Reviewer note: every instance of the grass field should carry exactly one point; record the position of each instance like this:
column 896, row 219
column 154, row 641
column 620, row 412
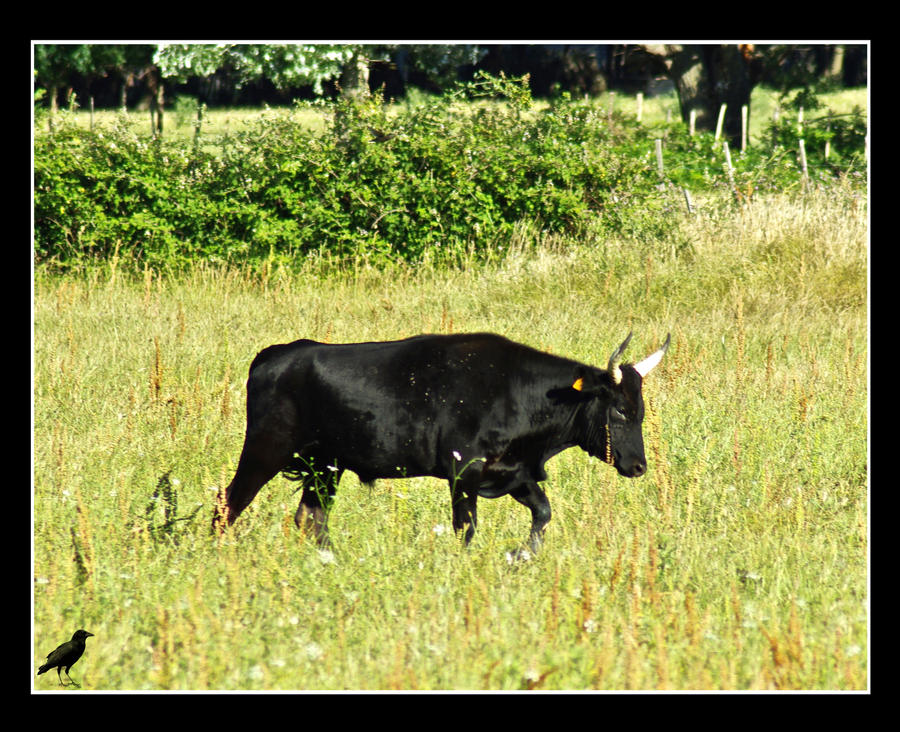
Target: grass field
column 180, row 121
column 738, row 562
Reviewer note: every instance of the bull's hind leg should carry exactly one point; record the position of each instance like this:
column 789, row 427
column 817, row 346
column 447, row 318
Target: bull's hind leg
column 260, row 461
column 268, row 449
column 319, row 487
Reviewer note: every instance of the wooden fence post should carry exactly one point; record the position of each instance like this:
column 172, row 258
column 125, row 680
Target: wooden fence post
column 687, row 200
column 659, row 159
column 803, row 162
column 728, row 168
column 197, row 125
column 745, row 113
column 720, row 121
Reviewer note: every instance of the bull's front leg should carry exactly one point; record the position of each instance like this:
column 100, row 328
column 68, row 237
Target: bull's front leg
column 465, row 515
column 531, row 495
column 315, row 502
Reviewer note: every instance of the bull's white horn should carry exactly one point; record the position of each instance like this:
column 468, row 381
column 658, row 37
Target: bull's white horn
column 649, row 363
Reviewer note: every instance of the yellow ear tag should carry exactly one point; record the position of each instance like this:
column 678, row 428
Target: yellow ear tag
column 579, row 384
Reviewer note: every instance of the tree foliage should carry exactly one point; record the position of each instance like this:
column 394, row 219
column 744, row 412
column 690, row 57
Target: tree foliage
column 705, row 74
column 53, row 64
column 283, row 64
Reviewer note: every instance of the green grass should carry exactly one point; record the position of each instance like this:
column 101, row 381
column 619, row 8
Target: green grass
column 179, row 124
column 179, row 121
column 738, row 562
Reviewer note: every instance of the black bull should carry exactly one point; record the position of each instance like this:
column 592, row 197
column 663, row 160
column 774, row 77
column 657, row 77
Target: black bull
column 478, row 410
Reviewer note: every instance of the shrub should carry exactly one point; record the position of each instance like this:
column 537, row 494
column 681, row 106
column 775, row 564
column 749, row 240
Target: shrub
column 845, row 135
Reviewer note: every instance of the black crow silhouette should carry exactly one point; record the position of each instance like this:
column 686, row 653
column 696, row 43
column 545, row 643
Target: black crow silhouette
column 64, row 657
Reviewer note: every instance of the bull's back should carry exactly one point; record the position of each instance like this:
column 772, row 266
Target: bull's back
column 424, row 368
column 442, row 355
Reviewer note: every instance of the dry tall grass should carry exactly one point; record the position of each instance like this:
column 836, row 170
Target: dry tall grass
column 738, row 562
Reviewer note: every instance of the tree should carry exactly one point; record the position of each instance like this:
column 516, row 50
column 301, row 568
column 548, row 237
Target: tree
column 291, row 65
column 708, row 76
column 128, row 62
column 54, row 65
column 57, row 66
column 284, row 65
column 438, row 63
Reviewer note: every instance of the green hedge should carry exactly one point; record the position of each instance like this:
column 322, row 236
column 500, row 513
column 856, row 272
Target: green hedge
column 451, row 175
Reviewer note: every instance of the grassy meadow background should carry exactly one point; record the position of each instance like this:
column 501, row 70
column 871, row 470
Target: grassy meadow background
column 738, row 562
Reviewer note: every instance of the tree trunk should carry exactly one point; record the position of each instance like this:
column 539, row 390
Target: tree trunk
column 685, row 67
column 52, row 92
column 855, row 72
column 127, row 81
column 160, row 102
column 157, row 99
column 837, row 64
column 708, row 76
column 355, row 76
column 733, row 73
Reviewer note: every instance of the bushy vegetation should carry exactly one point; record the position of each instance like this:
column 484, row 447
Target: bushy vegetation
column 440, row 179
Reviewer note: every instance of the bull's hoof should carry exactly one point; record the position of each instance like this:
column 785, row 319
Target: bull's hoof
column 519, row 556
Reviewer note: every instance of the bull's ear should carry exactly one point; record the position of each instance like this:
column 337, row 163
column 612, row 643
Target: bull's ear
column 576, row 389
column 588, row 382
column 582, row 380
column 567, row 395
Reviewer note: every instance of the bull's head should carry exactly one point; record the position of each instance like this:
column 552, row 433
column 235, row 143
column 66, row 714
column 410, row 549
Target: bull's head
column 610, row 424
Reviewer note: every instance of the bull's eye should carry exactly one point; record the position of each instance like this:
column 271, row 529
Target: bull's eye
column 617, row 413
